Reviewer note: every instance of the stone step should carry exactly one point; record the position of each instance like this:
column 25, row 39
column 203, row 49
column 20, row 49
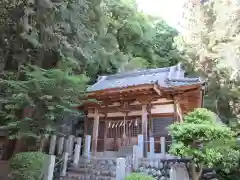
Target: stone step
column 81, row 165
column 79, row 170
column 77, row 176
column 95, row 166
column 83, row 159
column 97, row 172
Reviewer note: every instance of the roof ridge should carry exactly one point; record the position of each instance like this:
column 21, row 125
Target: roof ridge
column 184, row 79
column 139, row 72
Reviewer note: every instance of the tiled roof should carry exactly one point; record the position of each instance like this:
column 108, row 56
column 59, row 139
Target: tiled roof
column 165, row 77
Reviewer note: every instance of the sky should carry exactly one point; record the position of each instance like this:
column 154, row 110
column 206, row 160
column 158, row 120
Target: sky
column 170, row 10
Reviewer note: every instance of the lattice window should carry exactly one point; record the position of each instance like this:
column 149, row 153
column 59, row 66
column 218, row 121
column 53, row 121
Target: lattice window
column 160, row 125
column 135, row 128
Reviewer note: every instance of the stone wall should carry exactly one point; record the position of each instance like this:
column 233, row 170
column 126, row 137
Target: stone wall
column 159, row 168
column 93, row 169
column 103, row 167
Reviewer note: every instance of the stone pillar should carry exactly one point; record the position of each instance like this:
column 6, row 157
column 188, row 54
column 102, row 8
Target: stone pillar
column 79, row 141
column 87, row 145
column 152, row 147
column 135, row 157
column 70, row 144
column 76, row 154
column 52, row 144
column 49, row 167
column 65, row 162
column 120, row 169
column 60, row 145
column 163, row 145
column 140, row 145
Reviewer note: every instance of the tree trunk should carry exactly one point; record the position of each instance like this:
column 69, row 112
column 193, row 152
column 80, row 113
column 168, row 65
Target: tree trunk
column 196, row 172
column 18, row 145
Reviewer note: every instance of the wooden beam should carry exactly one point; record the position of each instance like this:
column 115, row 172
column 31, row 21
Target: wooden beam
column 170, row 114
column 163, row 114
column 95, row 132
column 126, row 96
column 109, row 109
column 144, row 129
column 181, row 89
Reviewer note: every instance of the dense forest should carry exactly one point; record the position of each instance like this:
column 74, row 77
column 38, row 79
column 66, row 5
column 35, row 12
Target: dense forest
column 51, row 50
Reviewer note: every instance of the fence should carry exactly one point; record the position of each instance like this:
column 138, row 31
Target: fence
column 61, row 151
column 127, row 159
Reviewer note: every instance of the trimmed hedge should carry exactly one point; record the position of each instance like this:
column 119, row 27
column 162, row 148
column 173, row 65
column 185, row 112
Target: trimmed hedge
column 139, row 176
column 27, row 166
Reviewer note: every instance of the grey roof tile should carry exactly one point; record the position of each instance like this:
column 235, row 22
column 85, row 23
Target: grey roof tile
column 149, row 76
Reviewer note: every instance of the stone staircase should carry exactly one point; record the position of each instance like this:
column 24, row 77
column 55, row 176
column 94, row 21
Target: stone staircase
column 99, row 168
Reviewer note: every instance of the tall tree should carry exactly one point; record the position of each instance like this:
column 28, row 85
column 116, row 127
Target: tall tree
column 69, row 39
column 141, row 36
column 210, row 43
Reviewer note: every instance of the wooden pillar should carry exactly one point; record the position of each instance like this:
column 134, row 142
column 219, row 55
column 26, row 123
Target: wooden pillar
column 95, row 132
column 127, row 131
column 144, row 129
column 175, row 109
column 105, row 133
column 85, row 123
column 178, row 109
column 200, row 99
column 125, row 111
column 150, row 128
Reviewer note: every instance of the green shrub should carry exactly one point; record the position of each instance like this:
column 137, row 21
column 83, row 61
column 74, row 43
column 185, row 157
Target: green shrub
column 27, row 166
column 139, row 176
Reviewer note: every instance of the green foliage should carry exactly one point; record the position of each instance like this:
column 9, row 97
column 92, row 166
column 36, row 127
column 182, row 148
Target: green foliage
column 64, row 42
column 27, row 166
column 211, row 48
column 48, row 94
column 138, row 176
column 141, row 36
column 98, row 37
column 191, row 139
